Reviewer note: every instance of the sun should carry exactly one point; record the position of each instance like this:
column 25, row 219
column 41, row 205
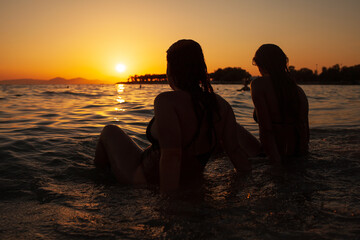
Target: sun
column 120, row 67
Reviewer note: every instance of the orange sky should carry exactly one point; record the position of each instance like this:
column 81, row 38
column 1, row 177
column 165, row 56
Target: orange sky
column 86, row 38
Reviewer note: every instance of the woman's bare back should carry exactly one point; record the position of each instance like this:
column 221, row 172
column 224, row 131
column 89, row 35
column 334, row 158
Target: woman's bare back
column 291, row 135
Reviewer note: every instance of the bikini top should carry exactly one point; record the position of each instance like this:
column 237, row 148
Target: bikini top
column 151, row 139
column 202, row 158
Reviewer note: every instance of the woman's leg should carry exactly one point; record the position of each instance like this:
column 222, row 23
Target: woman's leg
column 101, row 158
column 248, row 142
column 117, row 149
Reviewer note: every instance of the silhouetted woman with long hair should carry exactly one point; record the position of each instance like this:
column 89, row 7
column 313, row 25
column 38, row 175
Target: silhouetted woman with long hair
column 281, row 106
column 190, row 123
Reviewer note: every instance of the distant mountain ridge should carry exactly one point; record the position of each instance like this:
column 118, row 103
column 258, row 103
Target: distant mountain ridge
column 57, row 80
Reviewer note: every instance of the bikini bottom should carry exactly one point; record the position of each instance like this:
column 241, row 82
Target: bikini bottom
column 150, row 160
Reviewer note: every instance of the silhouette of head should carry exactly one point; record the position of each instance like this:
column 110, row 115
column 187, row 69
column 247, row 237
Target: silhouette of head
column 186, row 67
column 271, row 58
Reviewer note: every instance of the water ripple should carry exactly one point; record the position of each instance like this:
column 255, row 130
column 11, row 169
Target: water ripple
column 48, row 181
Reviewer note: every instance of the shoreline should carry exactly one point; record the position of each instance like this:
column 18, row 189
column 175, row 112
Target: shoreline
column 237, row 83
column 165, row 82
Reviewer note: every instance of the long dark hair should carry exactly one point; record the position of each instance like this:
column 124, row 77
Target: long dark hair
column 273, row 60
column 187, row 68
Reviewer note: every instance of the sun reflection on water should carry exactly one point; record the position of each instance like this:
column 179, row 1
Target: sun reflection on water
column 120, row 100
column 120, row 109
column 120, row 89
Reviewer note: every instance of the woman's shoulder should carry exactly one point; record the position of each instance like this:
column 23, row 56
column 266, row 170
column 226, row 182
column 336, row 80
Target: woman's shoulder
column 170, row 97
column 301, row 91
column 303, row 97
column 223, row 105
column 256, row 87
column 220, row 99
column 260, row 82
column 170, row 94
column 181, row 96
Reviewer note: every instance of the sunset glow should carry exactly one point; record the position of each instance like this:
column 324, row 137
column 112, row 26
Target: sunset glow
column 46, row 39
column 120, row 67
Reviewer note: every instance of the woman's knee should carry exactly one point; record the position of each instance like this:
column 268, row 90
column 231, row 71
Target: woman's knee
column 110, row 130
column 110, row 127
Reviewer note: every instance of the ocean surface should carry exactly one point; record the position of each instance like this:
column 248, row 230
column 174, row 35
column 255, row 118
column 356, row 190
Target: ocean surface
column 50, row 189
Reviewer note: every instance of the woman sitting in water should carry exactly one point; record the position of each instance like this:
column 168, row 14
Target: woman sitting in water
column 190, row 122
column 281, row 107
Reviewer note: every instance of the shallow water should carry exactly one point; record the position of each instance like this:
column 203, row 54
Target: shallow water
column 50, row 189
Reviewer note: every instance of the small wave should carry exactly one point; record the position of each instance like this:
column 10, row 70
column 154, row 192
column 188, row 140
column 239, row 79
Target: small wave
column 50, row 115
column 45, row 123
column 67, row 93
column 95, row 106
column 14, row 189
column 318, row 98
column 342, row 132
column 138, row 111
column 47, row 190
column 9, row 121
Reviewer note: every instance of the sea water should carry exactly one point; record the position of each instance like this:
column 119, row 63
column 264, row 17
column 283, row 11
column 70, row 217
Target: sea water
column 50, row 189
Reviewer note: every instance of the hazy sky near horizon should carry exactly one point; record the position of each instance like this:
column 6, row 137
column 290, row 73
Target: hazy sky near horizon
column 43, row 39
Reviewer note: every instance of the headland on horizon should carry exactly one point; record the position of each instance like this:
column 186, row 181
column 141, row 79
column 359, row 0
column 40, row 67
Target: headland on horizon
column 334, row 75
column 57, row 80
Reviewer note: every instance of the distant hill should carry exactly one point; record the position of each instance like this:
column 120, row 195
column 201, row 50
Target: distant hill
column 57, row 80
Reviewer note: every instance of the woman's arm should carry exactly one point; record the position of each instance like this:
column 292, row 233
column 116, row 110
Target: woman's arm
column 248, row 142
column 169, row 135
column 267, row 137
column 304, row 121
column 230, row 141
